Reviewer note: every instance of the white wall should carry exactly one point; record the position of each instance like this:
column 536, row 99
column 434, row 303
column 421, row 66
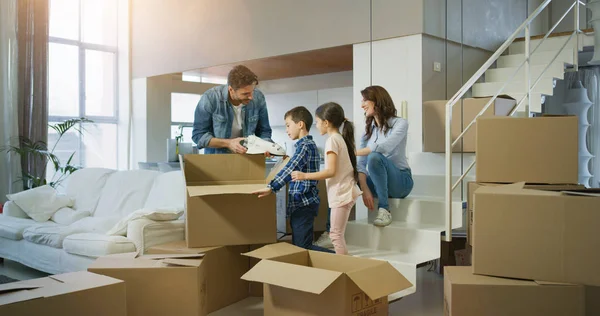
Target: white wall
column 177, row 35
column 396, row 66
column 151, row 115
column 559, row 7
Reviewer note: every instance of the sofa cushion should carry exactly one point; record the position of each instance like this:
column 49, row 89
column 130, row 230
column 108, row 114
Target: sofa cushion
column 12, row 209
column 67, row 216
column 125, row 192
column 85, row 185
column 13, row 227
column 168, row 191
column 97, row 245
column 54, row 236
column 41, row 202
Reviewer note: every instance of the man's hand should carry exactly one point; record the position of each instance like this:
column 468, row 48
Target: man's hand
column 368, row 199
column 235, row 146
column 263, row 192
column 297, row 175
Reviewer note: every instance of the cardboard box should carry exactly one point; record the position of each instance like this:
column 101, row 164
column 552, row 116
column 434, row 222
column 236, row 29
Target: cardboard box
column 466, row 294
column 472, row 186
column 542, row 150
column 536, row 235
column 302, row 282
column 184, row 282
column 434, row 122
column 220, row 209
column 70, row 294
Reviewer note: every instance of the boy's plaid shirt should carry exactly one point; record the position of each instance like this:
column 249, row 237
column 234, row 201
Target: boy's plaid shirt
column 305, row 159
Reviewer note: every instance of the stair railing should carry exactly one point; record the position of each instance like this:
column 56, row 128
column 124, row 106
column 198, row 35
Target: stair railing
column 450, row 184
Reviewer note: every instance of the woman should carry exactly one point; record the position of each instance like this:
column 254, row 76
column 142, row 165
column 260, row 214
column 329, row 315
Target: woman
column 382, row 165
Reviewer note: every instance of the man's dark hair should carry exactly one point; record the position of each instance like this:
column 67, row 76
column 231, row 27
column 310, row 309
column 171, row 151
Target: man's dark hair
column 298, row 114
column 240, row 76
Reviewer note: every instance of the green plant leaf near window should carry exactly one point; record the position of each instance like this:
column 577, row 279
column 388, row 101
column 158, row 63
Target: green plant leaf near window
column 39, row 153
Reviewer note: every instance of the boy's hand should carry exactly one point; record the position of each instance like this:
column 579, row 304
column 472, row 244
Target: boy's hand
column 268, row 154
column 263, row 192
column 297, row 175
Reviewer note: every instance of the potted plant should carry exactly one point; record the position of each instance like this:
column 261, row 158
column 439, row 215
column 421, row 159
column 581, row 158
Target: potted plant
column 38, row 151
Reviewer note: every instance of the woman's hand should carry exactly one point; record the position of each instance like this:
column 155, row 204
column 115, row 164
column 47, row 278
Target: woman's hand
column 262, row 192
column 297, row 175
column 368, row 199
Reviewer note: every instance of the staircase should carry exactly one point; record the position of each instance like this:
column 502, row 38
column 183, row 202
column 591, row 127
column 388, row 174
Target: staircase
column 524, row 70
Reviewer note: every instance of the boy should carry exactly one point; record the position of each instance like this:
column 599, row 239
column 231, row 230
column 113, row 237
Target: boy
column 303, row 196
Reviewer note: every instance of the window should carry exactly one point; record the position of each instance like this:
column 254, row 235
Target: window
column 183, row 107
column 82, row 76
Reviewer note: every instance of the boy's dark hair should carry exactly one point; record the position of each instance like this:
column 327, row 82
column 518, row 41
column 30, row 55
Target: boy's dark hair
column 334, row 113
column 240, row 76
column 300, row 114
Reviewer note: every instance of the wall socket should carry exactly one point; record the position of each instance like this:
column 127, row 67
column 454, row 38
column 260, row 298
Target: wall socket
column 437, row 66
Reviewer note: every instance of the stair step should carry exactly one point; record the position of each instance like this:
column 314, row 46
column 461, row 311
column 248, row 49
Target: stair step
column 556, row 71
column 434, row 186
column 398, row 236
column 422, row 210
column 550, row 44
column 539, row 58
column 487, row 89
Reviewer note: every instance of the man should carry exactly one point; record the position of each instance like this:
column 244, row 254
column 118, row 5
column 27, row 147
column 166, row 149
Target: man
column 229, row 113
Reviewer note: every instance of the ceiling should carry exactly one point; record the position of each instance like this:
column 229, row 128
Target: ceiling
column 320, row 61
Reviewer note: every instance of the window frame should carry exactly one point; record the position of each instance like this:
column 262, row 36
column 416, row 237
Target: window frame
column 82, row 48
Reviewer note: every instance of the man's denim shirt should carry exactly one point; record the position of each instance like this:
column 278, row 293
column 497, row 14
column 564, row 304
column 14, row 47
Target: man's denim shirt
column 214, row 117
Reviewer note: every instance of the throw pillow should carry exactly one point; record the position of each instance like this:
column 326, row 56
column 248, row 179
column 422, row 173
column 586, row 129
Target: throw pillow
column 40, row 203
column 67, row 216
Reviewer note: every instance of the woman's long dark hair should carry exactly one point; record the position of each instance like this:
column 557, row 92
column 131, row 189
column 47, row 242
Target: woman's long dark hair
column 384, row 109
column 334, row 113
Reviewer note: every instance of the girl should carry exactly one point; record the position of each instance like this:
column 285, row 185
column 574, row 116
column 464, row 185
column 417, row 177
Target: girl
column 340, row 172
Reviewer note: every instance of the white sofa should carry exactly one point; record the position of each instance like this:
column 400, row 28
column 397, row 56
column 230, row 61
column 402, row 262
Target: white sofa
column 109, row 196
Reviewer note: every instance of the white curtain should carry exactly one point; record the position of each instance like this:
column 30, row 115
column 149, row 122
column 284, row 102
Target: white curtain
column 10, row 166
column 590, row 78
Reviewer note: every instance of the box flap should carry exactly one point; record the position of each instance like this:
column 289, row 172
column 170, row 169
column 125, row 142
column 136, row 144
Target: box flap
column 16, row 286
column 514, row 188
column 278, row 166
column 274, row 251
column 554, row 283
column 174, row 256
column 206, row 168
column 379, row 280
column 204, row 190
column 183, row 262
column 179, row 246
column 291, row 276
column 84, row 278
column 585, row 192
column 126, row 255
column 122, row 263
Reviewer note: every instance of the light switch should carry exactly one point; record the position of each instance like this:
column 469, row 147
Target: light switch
column 437, row 66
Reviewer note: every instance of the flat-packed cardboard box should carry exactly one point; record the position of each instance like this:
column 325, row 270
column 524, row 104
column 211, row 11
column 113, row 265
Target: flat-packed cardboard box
column 184, row 282
column 542, row 150
column 220, row 209
column 434, row 121
column 536, row 235
column 466, row 294
column 472, row 186
column 69, row 294
column 302, row 282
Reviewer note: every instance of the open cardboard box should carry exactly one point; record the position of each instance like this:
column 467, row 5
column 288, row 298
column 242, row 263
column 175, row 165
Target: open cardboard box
column 466, row 294
column 537, row 235
column 220, row 209
column 184, row 282
column 70, row 294
column 302, row 282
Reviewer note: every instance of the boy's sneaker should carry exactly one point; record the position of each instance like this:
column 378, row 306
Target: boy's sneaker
column 324, row 241
column 257, row 145
column 383, row 219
